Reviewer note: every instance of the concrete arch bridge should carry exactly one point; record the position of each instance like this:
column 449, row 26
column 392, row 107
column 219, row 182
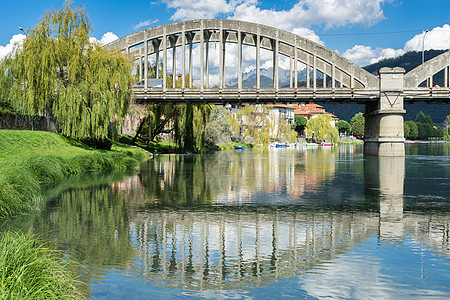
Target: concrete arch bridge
column 329, row 76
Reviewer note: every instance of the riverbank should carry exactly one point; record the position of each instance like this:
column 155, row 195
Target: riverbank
column 32, row 159
column 30, row 162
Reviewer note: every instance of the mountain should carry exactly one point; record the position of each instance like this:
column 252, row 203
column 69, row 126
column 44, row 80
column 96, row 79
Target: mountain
column 408, row 61
column 249, row 78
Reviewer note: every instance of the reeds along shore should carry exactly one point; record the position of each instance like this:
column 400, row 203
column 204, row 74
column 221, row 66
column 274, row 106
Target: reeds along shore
column 30, row 161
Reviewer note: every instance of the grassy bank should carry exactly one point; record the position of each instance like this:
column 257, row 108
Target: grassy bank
column 30, row 160
column 231, row 145
column 30, row 270
column 153, row 147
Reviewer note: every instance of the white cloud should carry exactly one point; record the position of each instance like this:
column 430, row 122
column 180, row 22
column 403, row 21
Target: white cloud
column 438, row 38
column 15, row 41
column 364, row 55
column 302, row 14
column 360, row 54
column 309, row 34
column 306, row 13
column 106, row 38
column 387, row 53
column 200, row 9
column 145, row 23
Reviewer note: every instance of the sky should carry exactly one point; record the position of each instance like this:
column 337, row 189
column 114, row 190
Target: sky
column 364, row 31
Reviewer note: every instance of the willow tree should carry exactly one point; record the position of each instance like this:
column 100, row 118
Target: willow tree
column 186, row 122
column 58, row 73
column 321, row 129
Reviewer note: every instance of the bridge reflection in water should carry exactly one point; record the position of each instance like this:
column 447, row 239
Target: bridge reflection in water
column 245, row 220
column 240, row 247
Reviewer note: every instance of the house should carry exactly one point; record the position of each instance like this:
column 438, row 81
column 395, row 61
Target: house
column 312, row 110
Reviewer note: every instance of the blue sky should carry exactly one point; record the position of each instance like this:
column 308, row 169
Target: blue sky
column 351, row 27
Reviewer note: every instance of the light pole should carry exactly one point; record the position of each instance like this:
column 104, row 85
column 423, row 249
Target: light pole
column 21, row 29
column 423, row 46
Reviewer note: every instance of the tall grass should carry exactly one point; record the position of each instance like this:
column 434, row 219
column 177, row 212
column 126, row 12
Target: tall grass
column 31, row 160
column 30, row 270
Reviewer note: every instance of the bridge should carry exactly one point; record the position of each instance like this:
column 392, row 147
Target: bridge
column 329, row 76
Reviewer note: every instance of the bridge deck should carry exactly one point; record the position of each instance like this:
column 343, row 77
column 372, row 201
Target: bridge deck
column 270, row 95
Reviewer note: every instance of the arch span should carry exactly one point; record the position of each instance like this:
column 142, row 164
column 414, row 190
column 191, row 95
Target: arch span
column 426, row 72
column 336, row 69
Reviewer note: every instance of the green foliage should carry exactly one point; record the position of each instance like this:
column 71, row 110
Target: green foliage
column 413, row 132
column 300, row 123
column 284, row 133
column 30, row 270
column 357, row 123
column 320, row 129
column 250, row 120
column 343, row 126
column 59, row 73
column 406, row 130
column 218, row 128
column 31, row 160
column 422, row 118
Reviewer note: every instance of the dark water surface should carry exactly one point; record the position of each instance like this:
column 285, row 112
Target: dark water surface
column 303, row 223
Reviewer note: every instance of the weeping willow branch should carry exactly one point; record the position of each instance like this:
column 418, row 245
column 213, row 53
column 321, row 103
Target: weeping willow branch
column 59, row 73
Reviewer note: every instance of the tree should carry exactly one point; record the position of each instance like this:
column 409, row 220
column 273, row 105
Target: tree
column 357, row 123
column 218, row 127
column 249, row 120
column 343, row 126
column 320, row 129
column 406, row 130
column 58, row 73
column 413, row 130
column 447, row 124
column 425, row 119
column 300, row 123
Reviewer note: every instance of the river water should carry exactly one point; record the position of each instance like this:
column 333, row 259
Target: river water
column 295, row 222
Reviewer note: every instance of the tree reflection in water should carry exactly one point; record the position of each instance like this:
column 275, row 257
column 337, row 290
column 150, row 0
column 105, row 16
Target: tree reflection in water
column 235, row 221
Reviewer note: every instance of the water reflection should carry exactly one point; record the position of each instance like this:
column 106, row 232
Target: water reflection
column 384, row 177
column 238, row 220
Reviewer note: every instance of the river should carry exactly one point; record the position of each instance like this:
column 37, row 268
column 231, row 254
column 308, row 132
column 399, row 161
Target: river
column 295, row 222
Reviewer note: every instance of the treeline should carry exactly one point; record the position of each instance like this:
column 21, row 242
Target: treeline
column 423, row 128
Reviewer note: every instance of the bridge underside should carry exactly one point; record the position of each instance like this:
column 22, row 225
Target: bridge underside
column 266, row 95
column 326, row 77
column 269, row 95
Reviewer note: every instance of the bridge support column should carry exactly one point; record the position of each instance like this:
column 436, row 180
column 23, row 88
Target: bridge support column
column 384, row 133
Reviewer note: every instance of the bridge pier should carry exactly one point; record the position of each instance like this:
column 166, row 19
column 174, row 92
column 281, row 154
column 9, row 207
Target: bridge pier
column 384, row 133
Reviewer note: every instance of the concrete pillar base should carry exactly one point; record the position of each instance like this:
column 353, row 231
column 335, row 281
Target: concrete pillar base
column 382, row 148
column 384, row 133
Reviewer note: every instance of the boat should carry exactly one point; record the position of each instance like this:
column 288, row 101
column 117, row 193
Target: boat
column 311, row 145
column 325, row 144
column 239, row 147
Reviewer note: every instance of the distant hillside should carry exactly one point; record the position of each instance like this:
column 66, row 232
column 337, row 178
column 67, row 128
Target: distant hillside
column 408, row 61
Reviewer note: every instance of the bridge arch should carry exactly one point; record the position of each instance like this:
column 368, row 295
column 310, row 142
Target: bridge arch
column 314, row 56
column 425, row 72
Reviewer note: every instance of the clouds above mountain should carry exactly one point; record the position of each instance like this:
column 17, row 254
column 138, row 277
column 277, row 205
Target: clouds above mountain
column 438, row 38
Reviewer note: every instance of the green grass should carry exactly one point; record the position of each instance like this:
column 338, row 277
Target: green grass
column 153, row 147
column 350, row 143
column 31, row 270
column 31, row 160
